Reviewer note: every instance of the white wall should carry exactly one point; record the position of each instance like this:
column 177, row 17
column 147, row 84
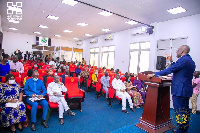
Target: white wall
column 182, row 27
column 13, row 41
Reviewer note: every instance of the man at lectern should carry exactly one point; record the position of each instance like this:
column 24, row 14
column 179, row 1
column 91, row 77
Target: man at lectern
column 181, row 88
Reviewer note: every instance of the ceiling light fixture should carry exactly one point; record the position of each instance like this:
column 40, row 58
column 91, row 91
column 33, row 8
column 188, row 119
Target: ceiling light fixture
column 131, row 22
column 57, row 35
column 13, row 29
column 105, row 13
column 82, row 24
column 42, row 26
column 70, row 2
column 75, row 38
column 37, row 32
column 104, row 10
column 176, row 10
column 52, row 17
column 88, row 35
column 68, row 31
column 106, row 30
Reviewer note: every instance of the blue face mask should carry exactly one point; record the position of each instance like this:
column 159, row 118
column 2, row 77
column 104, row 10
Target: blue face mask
column 8, row 61
column 128, row 80
column 35, row 79
column 96, row 73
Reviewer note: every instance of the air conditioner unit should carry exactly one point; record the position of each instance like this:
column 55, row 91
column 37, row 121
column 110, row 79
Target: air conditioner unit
column 109, row 37
column 138, row 31
column 95, row 40
column 79, row 43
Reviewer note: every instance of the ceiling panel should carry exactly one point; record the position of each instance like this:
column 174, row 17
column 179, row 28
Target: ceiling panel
column 145, row 11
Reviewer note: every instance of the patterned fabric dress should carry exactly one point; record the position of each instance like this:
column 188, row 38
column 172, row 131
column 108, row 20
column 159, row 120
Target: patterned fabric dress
column 137, row 98
column 9, row 115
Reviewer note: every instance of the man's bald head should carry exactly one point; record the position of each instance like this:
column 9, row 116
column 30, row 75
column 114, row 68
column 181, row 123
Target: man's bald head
column 56, row 79
column 183, row 50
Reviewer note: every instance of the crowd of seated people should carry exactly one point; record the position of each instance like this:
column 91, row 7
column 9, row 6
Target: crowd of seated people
column 34, row 75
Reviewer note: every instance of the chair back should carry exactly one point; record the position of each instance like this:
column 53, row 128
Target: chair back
column 16, row 74
column 123, row 79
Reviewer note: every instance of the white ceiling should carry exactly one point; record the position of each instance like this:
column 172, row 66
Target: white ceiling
column 34, row 13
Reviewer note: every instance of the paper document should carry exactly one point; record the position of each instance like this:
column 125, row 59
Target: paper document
column 13, row 105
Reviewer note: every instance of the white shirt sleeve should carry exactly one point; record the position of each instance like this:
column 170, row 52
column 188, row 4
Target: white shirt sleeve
column 64, row 89
column 49, row 89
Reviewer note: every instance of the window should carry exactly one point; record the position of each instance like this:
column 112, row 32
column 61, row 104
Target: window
column 139, row 57
column 108, row 57
column 170, row 46
column 94, row 54
column 79, row 56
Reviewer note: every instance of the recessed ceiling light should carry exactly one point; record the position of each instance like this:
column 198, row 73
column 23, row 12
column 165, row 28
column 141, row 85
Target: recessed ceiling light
column 131, row 22
column 37, row 32
column 75, row 38
column 68, row 31
column 105, row 13
column 70, row 2
column 106, row 30
column 42, row 26
column 82, row 24
column 88, row 35
column 57, row 35
column 176, row 10
column 52, row 17
column 13, row 29
column 14, row 21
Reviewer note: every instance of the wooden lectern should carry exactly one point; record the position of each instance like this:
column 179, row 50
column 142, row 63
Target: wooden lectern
column 156, row 113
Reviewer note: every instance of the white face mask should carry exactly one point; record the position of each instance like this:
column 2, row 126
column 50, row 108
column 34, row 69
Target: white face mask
column 11, row 81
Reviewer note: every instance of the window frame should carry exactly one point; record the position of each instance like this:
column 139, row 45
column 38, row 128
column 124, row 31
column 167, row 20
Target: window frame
column 139, row 54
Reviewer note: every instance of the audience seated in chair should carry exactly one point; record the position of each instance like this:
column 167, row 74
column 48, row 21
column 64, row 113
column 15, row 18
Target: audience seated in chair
column 119, row 86
column 137, row 98
column 16, row 66
column 49, row 74
column 140, row 88
column 85, row 74
column 65, row 75
column 77, row 71
column 54, row 90
column 11, row 93
column 105, row 80
column 34, row 87
column 95, row 77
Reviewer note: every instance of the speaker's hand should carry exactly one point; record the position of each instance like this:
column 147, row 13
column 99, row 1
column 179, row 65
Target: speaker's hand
column 149, row 76
column 168, row 57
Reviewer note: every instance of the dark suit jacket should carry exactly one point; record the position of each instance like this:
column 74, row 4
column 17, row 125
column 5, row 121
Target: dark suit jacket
column 182, row 71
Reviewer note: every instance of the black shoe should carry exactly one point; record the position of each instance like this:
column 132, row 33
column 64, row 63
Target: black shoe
column 33, row 128
column 125, row 111
column 69, row 112
column 44, row 124
column 13, row 131
column 21, row 130
column 174, row 131
column 132, row 109
column 61, row 121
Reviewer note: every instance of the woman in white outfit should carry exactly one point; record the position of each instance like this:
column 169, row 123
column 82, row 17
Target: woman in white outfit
column 54, row 90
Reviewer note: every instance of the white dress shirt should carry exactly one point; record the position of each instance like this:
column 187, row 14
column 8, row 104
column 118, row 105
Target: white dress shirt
column 55, row 87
